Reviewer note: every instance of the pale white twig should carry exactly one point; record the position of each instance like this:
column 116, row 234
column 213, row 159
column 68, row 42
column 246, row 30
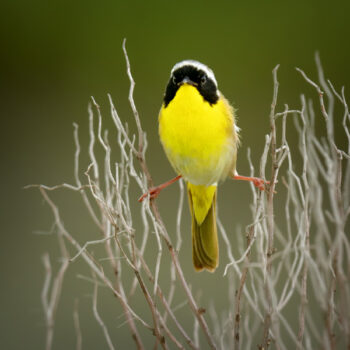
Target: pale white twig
column 83, row 248
column 99, row 319
column 77, row 325
column 50, row 300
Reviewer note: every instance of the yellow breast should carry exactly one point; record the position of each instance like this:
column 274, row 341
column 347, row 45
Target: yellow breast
column 199, row 139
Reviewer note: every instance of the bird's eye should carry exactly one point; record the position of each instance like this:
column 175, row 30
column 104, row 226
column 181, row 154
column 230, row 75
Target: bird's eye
column 203, row 79
column 174, row 79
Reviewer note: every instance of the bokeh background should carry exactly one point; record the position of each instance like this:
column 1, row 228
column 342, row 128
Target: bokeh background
column 56, row 54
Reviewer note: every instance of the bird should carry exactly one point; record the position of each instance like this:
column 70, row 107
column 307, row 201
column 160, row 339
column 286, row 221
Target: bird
column 199, row 134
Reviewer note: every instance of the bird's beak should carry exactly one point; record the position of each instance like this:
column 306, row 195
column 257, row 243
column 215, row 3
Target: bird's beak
column 187, row 80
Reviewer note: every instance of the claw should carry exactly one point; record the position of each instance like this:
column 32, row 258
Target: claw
column 153, row 193
column 259, row 183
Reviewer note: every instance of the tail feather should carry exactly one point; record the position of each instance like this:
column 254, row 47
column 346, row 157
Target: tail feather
column 205, row 249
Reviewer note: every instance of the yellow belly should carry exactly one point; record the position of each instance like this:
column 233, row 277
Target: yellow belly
column 199, row 139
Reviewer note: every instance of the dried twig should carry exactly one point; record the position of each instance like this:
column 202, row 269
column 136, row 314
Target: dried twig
column 99, row 319
column 77, row 325
column 270, row 211
column 50, row 300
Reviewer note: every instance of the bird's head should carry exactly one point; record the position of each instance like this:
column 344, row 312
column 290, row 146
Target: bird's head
column 192, row 73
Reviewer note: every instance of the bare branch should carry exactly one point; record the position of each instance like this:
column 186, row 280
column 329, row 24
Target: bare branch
column 99, row 319
column 77, row 325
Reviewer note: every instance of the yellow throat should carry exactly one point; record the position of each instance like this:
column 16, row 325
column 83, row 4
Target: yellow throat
column 197, row 136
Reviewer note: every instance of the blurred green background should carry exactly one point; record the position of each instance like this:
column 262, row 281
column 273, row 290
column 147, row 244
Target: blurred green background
column 56, row 54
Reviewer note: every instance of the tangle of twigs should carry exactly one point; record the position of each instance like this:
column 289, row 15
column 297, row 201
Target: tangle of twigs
column 302, row 256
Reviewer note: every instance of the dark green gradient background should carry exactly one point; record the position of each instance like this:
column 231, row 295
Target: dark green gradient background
column 56, row 54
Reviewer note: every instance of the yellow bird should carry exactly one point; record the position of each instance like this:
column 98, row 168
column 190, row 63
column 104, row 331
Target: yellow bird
column 198, row 131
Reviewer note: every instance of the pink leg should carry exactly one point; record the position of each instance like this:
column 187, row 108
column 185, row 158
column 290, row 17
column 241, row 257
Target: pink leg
column 259, row 183
column 154, row 191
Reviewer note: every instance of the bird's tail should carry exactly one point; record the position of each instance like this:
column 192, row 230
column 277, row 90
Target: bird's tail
column 205, row 248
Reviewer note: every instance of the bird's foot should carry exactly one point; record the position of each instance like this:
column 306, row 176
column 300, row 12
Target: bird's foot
column 154, row 191
column 258, row 182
